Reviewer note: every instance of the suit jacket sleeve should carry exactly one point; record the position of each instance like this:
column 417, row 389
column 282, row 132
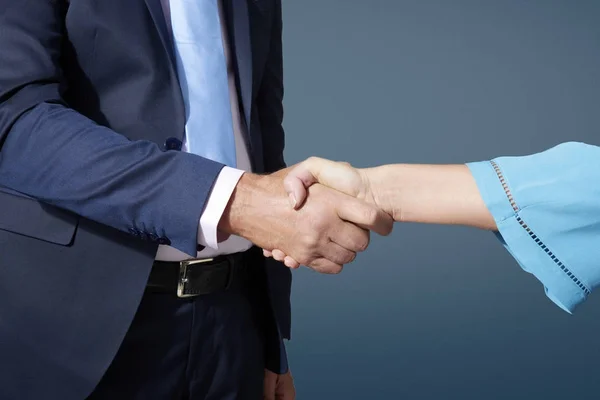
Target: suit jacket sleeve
column 52, row 153
column 547, row 209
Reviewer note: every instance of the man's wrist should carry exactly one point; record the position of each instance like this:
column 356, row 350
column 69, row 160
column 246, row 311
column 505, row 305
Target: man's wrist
column 249, row 189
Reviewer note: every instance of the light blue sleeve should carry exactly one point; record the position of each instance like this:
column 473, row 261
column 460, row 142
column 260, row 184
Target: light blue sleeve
column 547, row 209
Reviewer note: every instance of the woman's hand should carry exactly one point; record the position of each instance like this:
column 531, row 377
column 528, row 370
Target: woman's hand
column 340, row 176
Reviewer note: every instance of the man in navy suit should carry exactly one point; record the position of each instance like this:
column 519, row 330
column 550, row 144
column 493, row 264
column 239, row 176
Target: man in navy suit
column 139, row 147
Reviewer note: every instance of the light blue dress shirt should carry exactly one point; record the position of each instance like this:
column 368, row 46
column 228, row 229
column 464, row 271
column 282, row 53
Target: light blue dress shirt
column 547, row 209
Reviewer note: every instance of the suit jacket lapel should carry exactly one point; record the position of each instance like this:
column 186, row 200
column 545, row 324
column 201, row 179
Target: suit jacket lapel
column 158, row 16
column 239, row 34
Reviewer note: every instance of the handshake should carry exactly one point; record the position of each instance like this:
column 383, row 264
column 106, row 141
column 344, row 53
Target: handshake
column 318, row 213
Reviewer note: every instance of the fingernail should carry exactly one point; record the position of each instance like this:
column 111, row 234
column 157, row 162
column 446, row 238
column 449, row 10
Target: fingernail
column 292, row 200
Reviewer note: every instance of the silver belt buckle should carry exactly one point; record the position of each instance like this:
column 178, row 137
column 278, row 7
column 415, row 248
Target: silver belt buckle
column 183, row 279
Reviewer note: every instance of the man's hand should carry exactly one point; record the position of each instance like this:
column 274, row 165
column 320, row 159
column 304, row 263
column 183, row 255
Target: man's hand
column 279, row 387
column 324, row 233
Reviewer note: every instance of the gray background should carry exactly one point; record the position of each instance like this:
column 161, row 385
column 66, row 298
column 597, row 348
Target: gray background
column 436, row 312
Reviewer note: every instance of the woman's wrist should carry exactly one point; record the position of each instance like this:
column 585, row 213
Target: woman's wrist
column 381, row 188
column 437, row 194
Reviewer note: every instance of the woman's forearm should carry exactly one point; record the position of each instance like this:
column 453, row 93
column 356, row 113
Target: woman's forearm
column 436, row 194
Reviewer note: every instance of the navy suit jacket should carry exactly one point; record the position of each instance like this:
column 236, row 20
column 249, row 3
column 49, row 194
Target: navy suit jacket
column 88, row 98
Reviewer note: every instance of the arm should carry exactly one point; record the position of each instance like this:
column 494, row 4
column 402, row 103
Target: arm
column 56, row 155
column 52, row 153
column 435, row 194
column 545, row 207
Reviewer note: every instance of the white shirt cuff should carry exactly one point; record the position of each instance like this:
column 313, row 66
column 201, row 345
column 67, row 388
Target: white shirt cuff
column 219, row 198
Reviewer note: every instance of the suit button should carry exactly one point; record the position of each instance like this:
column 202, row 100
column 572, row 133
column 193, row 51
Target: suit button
column 173, row 144
column 153, row 237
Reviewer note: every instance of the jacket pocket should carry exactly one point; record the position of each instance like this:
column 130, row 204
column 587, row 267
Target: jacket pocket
column 29, row 217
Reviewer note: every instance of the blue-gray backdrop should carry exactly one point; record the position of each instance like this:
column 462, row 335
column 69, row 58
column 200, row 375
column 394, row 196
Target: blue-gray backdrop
column 437, row 312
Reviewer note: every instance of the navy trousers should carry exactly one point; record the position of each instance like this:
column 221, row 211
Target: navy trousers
column 208, row 347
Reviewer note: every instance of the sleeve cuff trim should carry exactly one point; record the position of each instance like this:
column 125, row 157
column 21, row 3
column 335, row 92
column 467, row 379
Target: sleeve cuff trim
column 552, row 256
column 532, row 235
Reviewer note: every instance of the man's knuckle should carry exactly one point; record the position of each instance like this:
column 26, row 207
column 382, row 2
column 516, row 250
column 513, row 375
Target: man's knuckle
column 349, row 257
column 363, row 243
column 311, row 242
column 330, row 268
column 303, row 259
column 370, row 216
column 352, row 257
column 323, row 216
column 337, row 269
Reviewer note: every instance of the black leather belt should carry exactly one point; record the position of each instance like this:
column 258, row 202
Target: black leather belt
column 199, row 276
